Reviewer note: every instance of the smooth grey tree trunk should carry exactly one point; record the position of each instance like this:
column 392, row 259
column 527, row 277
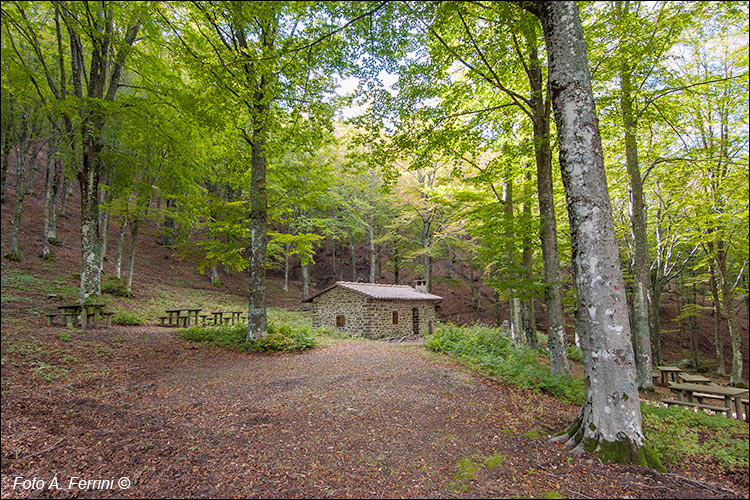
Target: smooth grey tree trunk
column 609, row 423
column 528, row 314
column 52, row 228
column 718, row 337
column 305, row 280
column 286, row 266
column 13, row 252
column 213, row 273
column 49, row 185
column 371, row 227
column 641, row 260
column 352, row 253
column 134, row 226
column 120, row 241
column 516, row 321
column 103, row 230
column 257, row 320
column 725, row 286
column 66, row 190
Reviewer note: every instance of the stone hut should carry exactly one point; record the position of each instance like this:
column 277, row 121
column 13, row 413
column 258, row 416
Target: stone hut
column 374, row 310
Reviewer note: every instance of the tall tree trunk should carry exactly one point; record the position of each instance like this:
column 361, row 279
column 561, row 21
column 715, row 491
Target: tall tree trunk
column 305, row 285
column 516, row 320
column 735, row 376
column 655, row 325
column 641, row 260
column 213, row 274
column 134, row 226
column 48, row 200
column 66, row 189
column 558, row 352
column 427, row 256
column 528, row 314
column 103, row 225
column 90, row 287
column 120, row 241
column 286, row 266
column 5, row 144
column 352, row 253
column 371, row 227
column 13, row 253
column 609, row 423
column 52, row 227
column 169, row 238
column 693, row 325
column 718, row 337
column 305, row 281
column 257, row 321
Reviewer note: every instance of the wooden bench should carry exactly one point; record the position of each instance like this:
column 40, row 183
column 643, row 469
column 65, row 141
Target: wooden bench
column 699, row 396
column 108, row 317
column 163, row 320
column 203, row 319
column 51, row 319
column 717, row 409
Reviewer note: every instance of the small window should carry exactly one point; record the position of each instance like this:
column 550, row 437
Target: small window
column 339, row 320
column 395, row 317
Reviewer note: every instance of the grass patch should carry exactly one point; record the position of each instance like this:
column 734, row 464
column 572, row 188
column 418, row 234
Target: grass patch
column 15, row 279
column 492, row 352
column 280, row 337
column 468, row 468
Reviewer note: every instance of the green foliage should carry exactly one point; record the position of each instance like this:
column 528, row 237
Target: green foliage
column 64, row 336
column 128, row 318
column 575, row 353
column 280, row 337
column 492, row 352
column 675, row 434
column 111, row 284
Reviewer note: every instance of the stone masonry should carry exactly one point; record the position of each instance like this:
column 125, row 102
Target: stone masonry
column 375, row 311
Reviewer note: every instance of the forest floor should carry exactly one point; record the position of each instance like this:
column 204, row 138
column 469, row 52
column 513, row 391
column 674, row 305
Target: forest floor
column 353, row 418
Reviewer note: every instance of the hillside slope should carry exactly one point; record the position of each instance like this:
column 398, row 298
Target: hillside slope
column 159, row 271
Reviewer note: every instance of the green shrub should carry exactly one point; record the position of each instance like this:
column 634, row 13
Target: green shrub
column 111, row 284
column 280, row 337
column 127, row 318
column 493, row 352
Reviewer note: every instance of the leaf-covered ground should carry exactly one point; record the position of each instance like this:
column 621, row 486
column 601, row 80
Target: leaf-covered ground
column 350, row 419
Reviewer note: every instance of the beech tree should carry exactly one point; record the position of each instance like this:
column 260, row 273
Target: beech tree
column 609, row 423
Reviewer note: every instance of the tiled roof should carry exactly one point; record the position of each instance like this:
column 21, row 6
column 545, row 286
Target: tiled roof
column 381, row 292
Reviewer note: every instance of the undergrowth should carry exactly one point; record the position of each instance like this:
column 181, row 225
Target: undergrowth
column 495, row 354
column 675, row 433
column 280, row 337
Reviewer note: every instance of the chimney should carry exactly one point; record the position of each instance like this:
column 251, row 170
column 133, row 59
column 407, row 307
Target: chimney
column 420, row 286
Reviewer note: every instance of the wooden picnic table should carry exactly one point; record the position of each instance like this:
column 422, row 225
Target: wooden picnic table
column 689, row 378
column 218, row 318
column 672, row 371
column 174, row 316
column 235, row 316
column 86, row 311
column 685, row 393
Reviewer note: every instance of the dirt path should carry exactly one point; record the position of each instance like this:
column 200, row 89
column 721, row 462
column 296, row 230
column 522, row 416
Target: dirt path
column 352, row 419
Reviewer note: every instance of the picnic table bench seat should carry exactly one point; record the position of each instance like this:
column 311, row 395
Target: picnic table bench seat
column 51, row 319
column 717, row 409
